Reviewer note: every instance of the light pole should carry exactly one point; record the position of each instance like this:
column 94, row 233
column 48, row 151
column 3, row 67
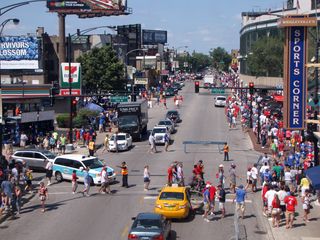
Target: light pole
column 126, row 72
column 8, row 8
column 15, row 21
column 259, row 99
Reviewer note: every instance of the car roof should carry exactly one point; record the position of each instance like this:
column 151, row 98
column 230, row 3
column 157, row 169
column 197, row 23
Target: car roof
column 221, row 97
column 119, row 134
column 160, row 126
column 173, row 189
column 78, row 157
column 148, row 216
column 31, row 150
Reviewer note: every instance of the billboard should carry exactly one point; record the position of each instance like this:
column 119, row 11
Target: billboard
column 87, row 8
column 154, row 37
column 19, row 52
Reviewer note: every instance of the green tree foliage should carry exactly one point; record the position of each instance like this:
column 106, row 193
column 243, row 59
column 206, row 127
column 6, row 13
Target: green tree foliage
column 196, row 61
column 221, row 59
column 266, row 57
column 102, row 70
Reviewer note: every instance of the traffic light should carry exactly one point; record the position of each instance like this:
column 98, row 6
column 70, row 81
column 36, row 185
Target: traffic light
column 251, row 88
column 196, row 86
column 74, row 103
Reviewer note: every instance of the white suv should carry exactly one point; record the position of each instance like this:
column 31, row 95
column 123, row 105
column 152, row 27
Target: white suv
column 159, row 132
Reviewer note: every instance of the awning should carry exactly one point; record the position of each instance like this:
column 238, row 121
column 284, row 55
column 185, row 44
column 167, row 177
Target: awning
column 313, row 174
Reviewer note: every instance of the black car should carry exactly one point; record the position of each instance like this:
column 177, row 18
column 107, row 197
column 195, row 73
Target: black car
column 174, row 116
column 150, row 226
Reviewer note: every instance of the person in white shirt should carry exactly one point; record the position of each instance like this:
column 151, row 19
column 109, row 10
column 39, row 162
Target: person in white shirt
column 146, row 178
column 180, row 174
column 105, row 187
column 49, row 172
column 270, row 196
column 254, row 176
column 262, row 171
column 265, row 159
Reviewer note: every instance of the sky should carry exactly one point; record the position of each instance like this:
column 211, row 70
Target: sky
column 199, row 24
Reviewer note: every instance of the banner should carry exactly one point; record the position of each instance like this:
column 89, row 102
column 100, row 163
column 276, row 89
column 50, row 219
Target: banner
column 296, row 85
column 19, row 52
column 75, row 79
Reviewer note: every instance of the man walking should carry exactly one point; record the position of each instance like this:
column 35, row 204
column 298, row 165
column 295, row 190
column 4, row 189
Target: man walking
column 152, row 143
column 166, row 142
column 226, row 151
column 105, row 188
column 240, row 200
column 291, row 203
column 91, row 147
column 87, row 182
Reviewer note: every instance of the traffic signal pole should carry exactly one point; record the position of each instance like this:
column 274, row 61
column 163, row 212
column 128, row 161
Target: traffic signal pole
column 70, row 89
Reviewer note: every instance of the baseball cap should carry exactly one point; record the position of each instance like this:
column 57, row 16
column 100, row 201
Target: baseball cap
column 221, row 166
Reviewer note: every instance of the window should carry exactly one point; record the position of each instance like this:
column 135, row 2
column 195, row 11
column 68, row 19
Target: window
column 171, row 196
column 39, row 156
column 27, row 154
column 64, row 162
column 76, row 164
column 19, row 154
column 315, row 3
column 93, row 163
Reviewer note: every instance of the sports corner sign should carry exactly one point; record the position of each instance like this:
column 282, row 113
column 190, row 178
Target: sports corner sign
column 295, row 80
column 74, row 72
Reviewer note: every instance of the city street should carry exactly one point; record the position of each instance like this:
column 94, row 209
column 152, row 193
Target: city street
column 109, row 216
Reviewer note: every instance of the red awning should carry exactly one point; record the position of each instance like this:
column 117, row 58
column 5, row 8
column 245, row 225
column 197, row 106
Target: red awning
column 278, row 98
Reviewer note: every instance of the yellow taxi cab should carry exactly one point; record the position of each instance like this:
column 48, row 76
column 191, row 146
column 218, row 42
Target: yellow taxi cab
column 173, row 202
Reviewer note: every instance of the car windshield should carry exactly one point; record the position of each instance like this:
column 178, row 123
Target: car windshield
column 171, row 196
column 93, row 163
column 147, row 223
column 221, row 98
column 128, row 120
column 159, row 130
column 119, row 137
column 49, row 154
column 165, row 123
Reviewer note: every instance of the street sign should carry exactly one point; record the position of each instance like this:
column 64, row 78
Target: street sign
column 217, row 91
column 65, row 92
column 119, row 99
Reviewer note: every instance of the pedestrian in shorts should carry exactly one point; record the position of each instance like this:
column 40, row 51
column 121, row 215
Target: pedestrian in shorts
column 74, row 180
column 240, row 200
column 222, row 201
column 87, row 182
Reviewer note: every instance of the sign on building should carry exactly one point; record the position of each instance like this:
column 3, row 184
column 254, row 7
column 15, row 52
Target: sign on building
column 295, row 72
column 19, row 52
column 75, row 78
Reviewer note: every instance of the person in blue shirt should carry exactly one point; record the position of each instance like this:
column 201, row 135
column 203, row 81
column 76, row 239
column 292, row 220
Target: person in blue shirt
column 206, row 203
column 87, row 182
column 290, row 160
column 240, row 197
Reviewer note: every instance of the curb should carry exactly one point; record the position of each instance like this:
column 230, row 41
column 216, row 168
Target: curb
column 7, row 215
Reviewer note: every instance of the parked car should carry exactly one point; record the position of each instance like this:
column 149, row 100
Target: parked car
column 173, row 202
column 150, row 226
column 64, row 165
column 158, row 132
column 122, row 141
column 34, row 158
column 173, row 115
column 169, row 124
column 170, row 92
column 220, row 101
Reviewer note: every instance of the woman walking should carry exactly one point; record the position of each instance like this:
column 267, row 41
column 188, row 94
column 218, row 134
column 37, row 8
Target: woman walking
column 43, row 195
column 49, row 172
column 146, row 178
column 276, row 210
column 74, row 180
column 306, row 205
column 18, row 195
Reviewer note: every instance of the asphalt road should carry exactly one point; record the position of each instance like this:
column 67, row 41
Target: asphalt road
column 99, row 217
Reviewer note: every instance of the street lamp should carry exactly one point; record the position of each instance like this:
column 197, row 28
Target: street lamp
column 15, row 21
column 126, row 63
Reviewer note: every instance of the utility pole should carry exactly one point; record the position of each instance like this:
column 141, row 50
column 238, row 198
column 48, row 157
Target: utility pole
column 62, row 38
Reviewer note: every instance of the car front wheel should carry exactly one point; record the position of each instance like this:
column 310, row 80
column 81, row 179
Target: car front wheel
column 59, row 177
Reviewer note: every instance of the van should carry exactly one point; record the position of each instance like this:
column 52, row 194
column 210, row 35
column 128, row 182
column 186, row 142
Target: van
column 34, row 158
column 64, row 165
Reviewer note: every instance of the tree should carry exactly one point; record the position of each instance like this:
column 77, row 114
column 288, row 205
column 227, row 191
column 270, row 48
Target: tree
column 102, row 70
column 221, row 58
column 266, row 57
column 196, row 61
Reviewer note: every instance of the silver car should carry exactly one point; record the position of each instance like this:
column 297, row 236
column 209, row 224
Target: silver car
column 150, row 226
column 169, row 124
column 34, row 158
column 220, row 101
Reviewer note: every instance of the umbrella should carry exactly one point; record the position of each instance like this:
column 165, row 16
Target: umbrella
column 94, row 107
column 313, row 176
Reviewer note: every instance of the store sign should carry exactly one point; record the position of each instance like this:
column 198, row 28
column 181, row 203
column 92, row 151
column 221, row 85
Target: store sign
column 70, row 75
column 141, row 80
column 19, row 52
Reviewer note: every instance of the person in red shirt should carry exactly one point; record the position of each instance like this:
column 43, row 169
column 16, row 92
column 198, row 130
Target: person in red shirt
column 170, row 176
column 212, row 194
column 281, row 148
column 264, row 199
column 275, row 212
column 291, row 203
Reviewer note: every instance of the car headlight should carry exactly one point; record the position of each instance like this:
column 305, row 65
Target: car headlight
column 98, row 175
column 158, row 206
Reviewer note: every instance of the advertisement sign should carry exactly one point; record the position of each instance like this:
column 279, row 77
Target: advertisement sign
column 296, row 86
column 19, row 52
column 75, row 79
column 154, row 37
column 87, row 8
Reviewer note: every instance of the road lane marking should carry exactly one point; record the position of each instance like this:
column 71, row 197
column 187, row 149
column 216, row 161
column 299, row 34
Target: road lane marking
column 125, row 232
